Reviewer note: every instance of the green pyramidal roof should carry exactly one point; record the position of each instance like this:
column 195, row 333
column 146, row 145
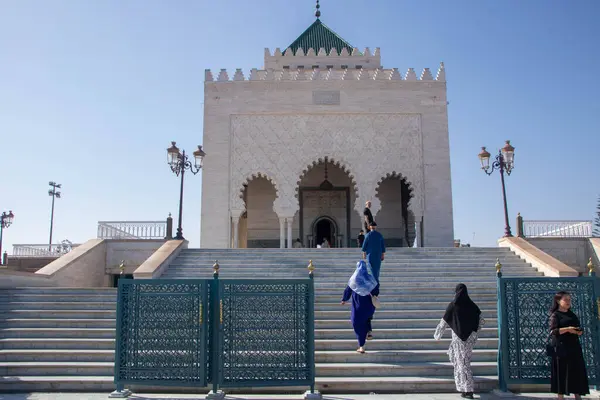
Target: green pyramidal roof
column 319, row 36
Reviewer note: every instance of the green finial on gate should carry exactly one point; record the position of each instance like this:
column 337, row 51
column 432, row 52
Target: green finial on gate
column 590, row 266
column 122, row 267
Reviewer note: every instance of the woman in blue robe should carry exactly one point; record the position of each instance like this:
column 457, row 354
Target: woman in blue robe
column 361, row 286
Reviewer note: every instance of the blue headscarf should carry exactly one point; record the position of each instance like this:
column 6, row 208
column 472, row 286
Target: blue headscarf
column 362, row 282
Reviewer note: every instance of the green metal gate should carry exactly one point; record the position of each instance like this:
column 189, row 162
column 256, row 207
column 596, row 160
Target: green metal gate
column 225, row 333
column 161, row 332
column 266, row 335
column 523, row 326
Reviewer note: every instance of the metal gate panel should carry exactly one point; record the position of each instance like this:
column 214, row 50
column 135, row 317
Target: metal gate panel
column 266, row 332
column 162, row 332
column 524, row 327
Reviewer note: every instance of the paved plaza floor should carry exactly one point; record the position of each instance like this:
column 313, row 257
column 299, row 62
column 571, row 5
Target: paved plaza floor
column 135, row 396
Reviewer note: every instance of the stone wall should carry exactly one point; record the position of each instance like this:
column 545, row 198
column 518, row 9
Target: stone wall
column 27, row 264
column 133, row 252
column 575, row 252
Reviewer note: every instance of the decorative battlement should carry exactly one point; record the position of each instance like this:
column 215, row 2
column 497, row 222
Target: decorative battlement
column 322, row 59
column 327, row 74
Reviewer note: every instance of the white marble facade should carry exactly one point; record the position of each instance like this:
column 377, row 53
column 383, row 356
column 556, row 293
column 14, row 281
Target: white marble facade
column 268, row 138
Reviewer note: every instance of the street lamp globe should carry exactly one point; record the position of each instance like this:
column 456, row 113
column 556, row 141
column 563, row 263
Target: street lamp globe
column 172, row 154
column 7, row 219
column 508, row 153
column 199, row 157
column 484, row 158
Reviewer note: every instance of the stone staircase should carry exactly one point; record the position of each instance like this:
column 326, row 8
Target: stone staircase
column 62, row 339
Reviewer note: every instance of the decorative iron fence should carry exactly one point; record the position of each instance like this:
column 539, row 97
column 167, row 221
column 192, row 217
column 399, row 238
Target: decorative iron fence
column 523, row 326
column 223, row 333
column 42, row 250
column 132, row 229
column 532, row 229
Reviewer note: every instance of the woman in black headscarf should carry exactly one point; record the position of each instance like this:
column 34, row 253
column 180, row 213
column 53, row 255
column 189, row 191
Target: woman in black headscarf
column 569, row 374
column 464, row 318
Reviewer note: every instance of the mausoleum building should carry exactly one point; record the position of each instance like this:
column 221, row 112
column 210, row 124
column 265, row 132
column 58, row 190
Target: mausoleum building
column 294, row 150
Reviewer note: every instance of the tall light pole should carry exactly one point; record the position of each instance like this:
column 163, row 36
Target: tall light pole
column 505, row 162
column 6, row 220
column 52, row 192
column 178, row 161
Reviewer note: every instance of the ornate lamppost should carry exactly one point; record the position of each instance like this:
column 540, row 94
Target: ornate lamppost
column 178, row 161
column 55, row 195
column 505, row 161
column 6, row 220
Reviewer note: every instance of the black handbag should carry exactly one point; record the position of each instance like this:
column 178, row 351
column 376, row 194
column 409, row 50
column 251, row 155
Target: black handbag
column 554, row 348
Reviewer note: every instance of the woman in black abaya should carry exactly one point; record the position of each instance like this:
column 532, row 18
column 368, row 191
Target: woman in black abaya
column 568, row 366
column 464, row 318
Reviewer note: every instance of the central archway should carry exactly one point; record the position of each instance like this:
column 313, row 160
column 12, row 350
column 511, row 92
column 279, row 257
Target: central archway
column 326, row 191
column 324, row 228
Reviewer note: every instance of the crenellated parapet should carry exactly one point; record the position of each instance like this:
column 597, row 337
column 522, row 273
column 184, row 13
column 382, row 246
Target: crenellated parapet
column 312, row 58
column 327, row 74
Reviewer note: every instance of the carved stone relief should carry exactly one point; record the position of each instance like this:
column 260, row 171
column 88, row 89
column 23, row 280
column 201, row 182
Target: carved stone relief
column 281, row 147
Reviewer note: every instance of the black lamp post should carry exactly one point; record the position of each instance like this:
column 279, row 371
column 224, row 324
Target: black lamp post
column 505, row 161
column 178, row 161
column 6, row 220
column 55, row 195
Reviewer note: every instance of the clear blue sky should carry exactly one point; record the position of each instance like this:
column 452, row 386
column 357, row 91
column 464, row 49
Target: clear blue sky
column 92, row 92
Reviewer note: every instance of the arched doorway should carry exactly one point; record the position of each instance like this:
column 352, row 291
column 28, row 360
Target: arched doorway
column 326, row 190
column 393, row 219
column 259, row 225
column 324, row 228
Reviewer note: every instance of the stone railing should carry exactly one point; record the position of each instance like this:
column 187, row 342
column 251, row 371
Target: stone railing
column 532, row 229
column 43, row 250
column 135, row 229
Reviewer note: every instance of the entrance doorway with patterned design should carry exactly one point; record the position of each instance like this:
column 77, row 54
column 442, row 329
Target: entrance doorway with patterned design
column 325, row 228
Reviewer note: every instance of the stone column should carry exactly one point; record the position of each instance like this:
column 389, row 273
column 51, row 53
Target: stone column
column 418, row 231
column 289, row 232
column 282, row 232
column 236, row 230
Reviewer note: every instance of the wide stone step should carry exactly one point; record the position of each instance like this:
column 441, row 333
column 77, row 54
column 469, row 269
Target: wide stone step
column 58, row 323
column 411, row 269
column 409, row 333
column 57, row 368
column 58, row 305
column 384, row 313
column 74, row 368
column 71, row 314
column 398, row 384
column 398, row 356
column 335, row 264
column 321, row 298
column 343, row 356
column 399, row 344
column 60, row 290
column 437, row 369
column 87, row 333
column 41, row 298
column 326, row 385
column 395, row 323
column 342, row 278
column 57, row 355
column 400, row 306
column 49, row 343
column 446, row 275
